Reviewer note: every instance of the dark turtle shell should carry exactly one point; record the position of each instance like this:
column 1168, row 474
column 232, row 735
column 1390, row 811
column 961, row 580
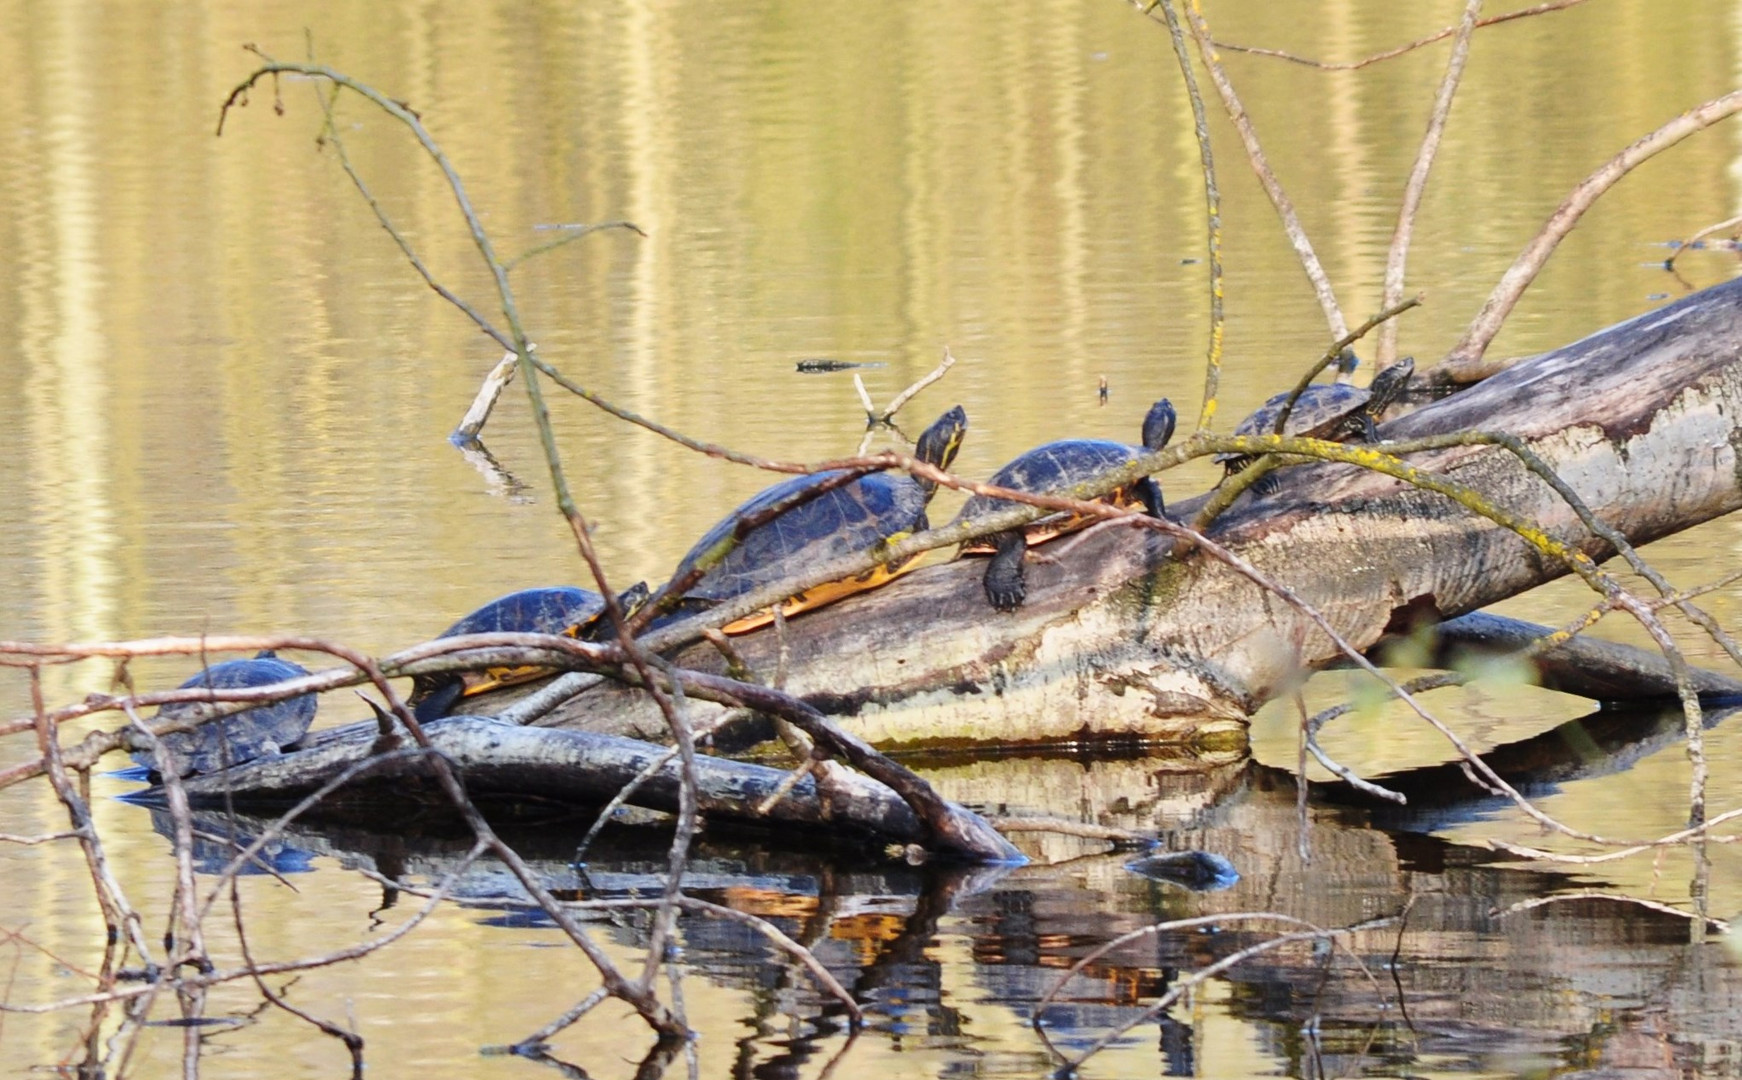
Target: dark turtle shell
column 833, row 522
column 1330, row 411
column 239, row 737
column 1336, row 411
column 846, row 520
column 552, row 610
column 1052, row 467
column 1057, row 467
column 557, row 609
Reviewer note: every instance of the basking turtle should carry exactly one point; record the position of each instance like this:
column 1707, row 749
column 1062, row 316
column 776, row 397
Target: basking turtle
column 239, row 737
column 854, row 518
column 1054, row 467
column 573, row 612
column 1336, row 411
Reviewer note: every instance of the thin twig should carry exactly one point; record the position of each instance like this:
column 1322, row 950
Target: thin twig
column 485, row 400
column 1727, row 225
column 1174, row 993
column 1213, row 213
column 1335, row 353
column 571, row 234
column 248, row 971
column 1464, row 363
column 1718, row 926
column 865, row 399
column 1702, row 832
column 1303, row 736
column 1029, row 823
column 1417, row 185
column 1291, row 225
column 1389, row 54
column 906, row 396
column 122, row 921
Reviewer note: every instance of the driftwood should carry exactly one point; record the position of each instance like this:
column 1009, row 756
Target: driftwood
column 582, row 768
column 1123, row 635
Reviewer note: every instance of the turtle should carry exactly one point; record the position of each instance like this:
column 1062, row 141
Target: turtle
column 1336, row 411
column 558, row 609
column 854, row 517
column 243, row 736
column 1054, row 467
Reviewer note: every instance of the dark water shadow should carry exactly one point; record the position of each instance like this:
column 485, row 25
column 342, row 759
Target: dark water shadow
column 1606, row 742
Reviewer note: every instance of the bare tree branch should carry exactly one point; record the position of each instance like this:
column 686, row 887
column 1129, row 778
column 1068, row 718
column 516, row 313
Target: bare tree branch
column 1390, row 54
column 1417, row 185
column 1464, row 363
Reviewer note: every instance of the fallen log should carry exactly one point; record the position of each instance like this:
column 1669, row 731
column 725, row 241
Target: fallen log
column 1124, row 635
column 582, row 768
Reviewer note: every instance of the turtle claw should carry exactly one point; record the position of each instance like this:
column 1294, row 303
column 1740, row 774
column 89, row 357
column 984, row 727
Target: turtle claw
column 1006, row 598
column 1003, row 581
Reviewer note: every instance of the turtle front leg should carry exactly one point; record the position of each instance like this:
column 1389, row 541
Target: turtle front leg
column 1003, row 582
column 441, row 699
column 1149, row 490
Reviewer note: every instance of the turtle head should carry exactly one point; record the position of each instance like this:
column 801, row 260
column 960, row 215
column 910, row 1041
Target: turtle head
column 1388, row 384
column 1158, row 425
column 1347, row 362
column 938, row 444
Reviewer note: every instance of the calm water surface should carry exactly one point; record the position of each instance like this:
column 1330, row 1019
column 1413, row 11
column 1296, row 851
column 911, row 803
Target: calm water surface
column 232, row 396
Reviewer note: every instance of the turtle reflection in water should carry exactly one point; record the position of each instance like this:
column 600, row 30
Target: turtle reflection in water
column 1056, row 468
column 563, row 609
column 1337, row 411
column 857, row 517
column 243, row 736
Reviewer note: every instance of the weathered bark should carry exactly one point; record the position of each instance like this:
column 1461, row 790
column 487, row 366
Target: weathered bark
column 1120, row 638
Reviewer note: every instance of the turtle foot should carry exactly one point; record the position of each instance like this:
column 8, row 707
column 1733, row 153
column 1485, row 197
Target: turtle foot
column 1007, row 598
column 1003, row 581
column 1005, row 589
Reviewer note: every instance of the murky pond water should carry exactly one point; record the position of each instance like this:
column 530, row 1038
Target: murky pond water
column 232, row 397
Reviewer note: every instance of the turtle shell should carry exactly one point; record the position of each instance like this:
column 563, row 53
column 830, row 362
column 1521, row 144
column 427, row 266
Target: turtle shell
column 847, row 520
column 1050, row 468
column 557, row 609
column 239, row 737
column 1319, row 413
column 550, row 610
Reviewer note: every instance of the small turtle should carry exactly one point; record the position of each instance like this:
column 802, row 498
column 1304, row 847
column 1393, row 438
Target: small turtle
column 1337, row 411
column 239, row 737
column 856, row 517
column 1055, row 467
column 565, row 610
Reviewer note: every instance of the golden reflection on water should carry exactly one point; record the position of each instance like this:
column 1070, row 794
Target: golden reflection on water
column 61, row 340
column 235, row 392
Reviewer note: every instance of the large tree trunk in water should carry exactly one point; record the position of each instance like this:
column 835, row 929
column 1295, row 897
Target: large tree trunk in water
column 1121, row 638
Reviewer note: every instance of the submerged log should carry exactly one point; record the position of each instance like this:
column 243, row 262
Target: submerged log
column 1600, row 670
column 1123, row 635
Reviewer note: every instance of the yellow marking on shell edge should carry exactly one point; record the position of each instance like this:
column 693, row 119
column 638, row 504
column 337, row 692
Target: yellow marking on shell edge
column 1047, row 529
column 827, row 593
column 495, row 678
